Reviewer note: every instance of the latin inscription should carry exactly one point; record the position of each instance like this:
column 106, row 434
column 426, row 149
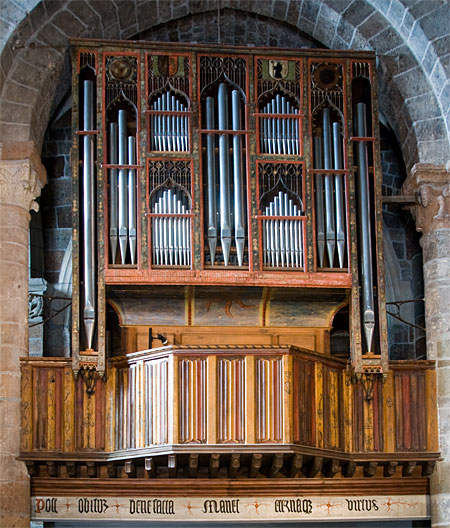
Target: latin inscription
column 221, row 506
column 233, row 508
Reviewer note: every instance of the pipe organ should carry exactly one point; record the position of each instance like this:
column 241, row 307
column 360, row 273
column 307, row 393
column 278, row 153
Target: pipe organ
column 239, row 167
column 226, row 229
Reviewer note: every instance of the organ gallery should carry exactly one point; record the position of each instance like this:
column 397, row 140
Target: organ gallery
column 229, row 337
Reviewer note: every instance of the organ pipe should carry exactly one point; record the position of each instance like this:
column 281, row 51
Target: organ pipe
column 123, row 183
column 211, row 181
column 239, row 218
column 89, row 312
column 339, row 194
column 365, row 240
column 113, row 219
column 224, row 176
column 330, row 226
column 132, row 219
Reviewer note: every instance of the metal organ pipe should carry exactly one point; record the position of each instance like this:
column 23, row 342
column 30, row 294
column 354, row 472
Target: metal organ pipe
column 211, row 181
column 368, row 307
column 320, row 223
column 329, row 198
column 113, row 219
column 239, row 218
column 339, row 194
column 123, row 191
column 132, row 218
column 224, row 176
column 88, row 213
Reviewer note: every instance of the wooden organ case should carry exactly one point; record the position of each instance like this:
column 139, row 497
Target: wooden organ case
column 226, row 212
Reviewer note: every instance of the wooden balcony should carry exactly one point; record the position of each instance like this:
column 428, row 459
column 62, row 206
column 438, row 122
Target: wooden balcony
column 240, row 409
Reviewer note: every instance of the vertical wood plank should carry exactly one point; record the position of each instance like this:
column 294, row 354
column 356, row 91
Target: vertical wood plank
column 389, row 413
column 58, row 408
column 415, row 416
column 287, row 399
column 173, row 397
column 211, row 387
column 79, row 422
column 334, row 409
column 110, row 409
column 368, row 424
column 432, row 424
column 421, row 412
column 99, row 423
column 406, row 409
column 250, row 402
column 347, row 396
column 26, row 440
column 89, row 417
column 319, row 403
column 68, row 410
column 51, row 436
column 398, row 412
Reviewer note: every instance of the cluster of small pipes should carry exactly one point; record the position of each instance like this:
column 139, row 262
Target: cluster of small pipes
column 279, row 135
column 283, row 237
column 171, row 233
column 170, row 128
column 122, row 190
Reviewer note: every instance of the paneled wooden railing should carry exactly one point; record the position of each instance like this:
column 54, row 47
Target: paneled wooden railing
column 226, row 399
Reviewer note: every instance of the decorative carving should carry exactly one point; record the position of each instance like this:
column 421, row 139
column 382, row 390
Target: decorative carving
column 431, row 185
column 20, row 184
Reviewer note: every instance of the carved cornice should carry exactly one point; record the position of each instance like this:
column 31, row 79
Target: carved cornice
column 20, row 184
column 431, row 185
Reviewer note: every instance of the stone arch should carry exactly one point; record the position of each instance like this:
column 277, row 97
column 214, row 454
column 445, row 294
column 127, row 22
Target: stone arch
column 33, row 57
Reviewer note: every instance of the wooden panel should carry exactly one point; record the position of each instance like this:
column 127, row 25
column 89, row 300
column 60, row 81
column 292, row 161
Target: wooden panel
column 304, row 402
column 308, row 338
column 192, row 403
column 432, row 433
column 250, row 399
column 230, row 400
column 110, row 405
column 389, row 413
column 318, row 374
column 287, row 399
column 332, row 408
column 269, row 399
column 347, row 392
column 26, row 441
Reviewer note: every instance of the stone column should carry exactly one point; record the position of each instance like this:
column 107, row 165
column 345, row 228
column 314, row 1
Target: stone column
column 21, row 179
column 431, row 185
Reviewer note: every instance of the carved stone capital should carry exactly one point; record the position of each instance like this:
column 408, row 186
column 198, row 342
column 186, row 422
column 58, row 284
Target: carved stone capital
column 430, row 184
column 22, row 175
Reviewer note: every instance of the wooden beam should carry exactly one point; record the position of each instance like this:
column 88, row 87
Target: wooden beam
column 111, row 470
column 92, row 469
column 390, row 468
column 172, row 465
column 331, row 468
column 235, row 464
column 277, row 464
column 150, row 467
column 370, row 468
column 130, row 469
column 52, row 468
column 428, row 468
column 255, row 465
column 408, row 468
column 193, row 465
column 214, row 464
column 315, row 466
column 296, row 465
column 349, row 469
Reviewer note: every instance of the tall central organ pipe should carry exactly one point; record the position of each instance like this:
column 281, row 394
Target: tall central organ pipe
column 123, row 184
column 329, row 198
column 368, row 307
column 88, row 213
column 224, row 174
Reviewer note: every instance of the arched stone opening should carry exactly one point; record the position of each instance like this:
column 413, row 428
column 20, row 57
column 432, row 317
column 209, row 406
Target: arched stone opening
column 413, row 98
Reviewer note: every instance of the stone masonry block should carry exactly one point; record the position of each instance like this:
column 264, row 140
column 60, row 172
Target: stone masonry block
column 357, row 12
